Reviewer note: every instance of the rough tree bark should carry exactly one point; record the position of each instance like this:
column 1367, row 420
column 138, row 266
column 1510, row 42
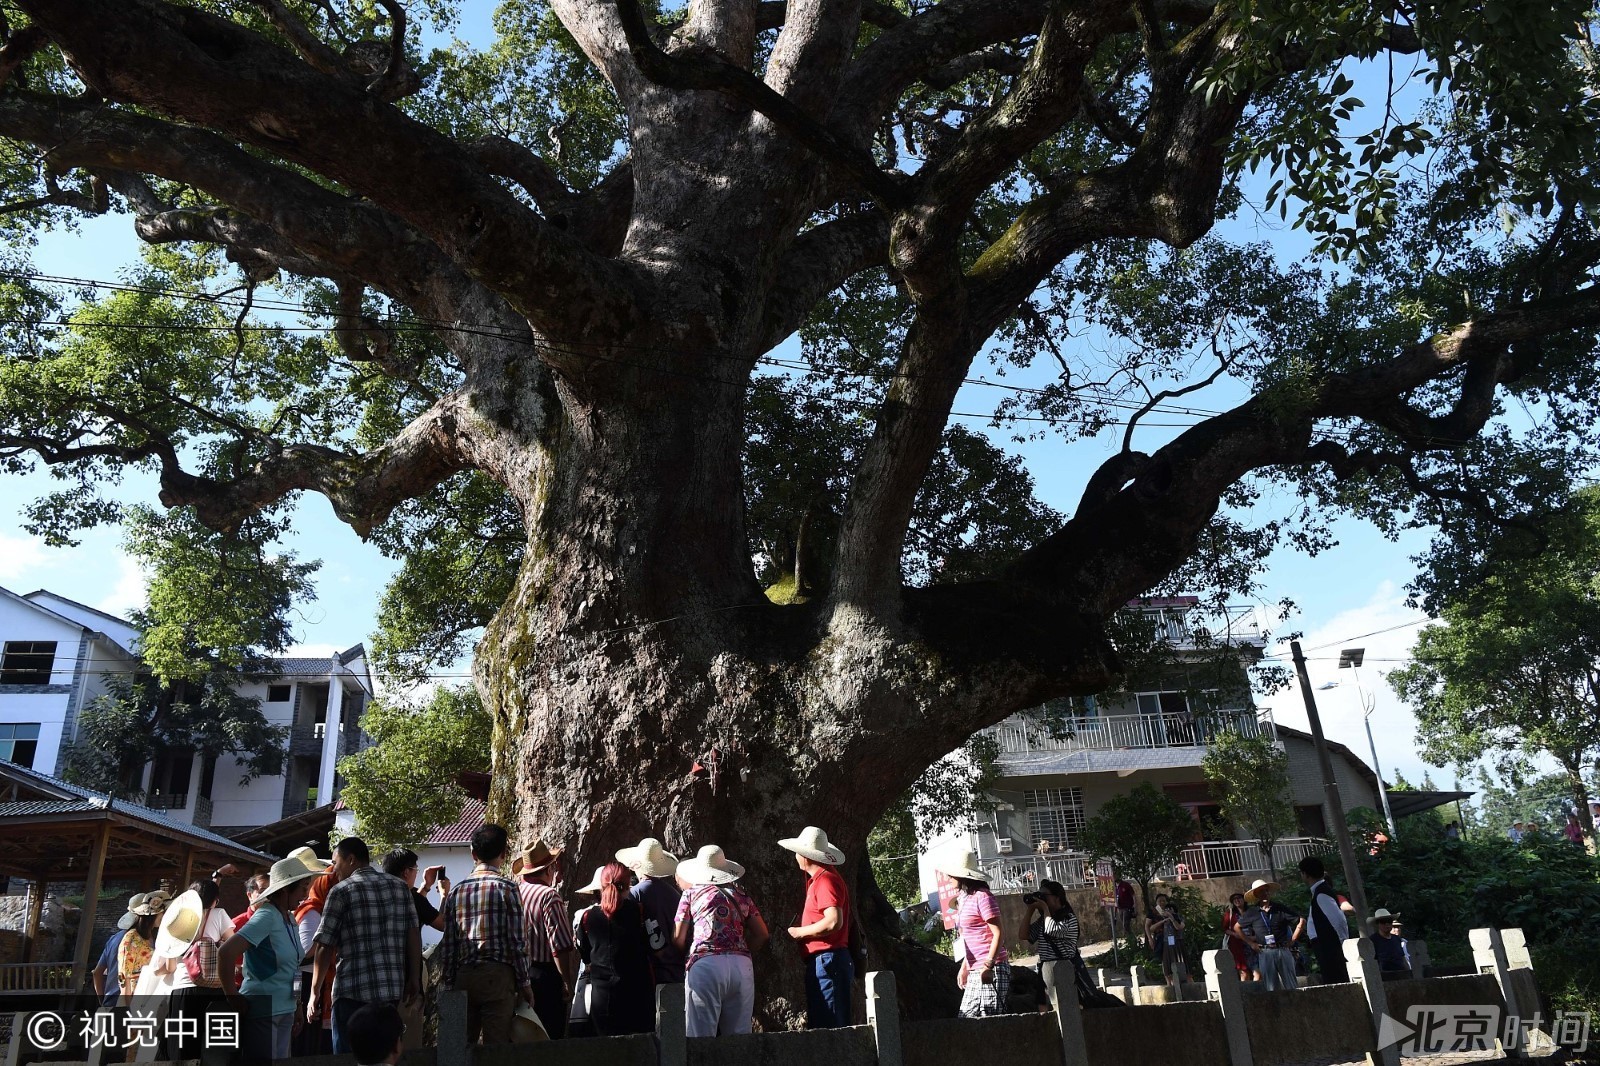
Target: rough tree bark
column 613, row 332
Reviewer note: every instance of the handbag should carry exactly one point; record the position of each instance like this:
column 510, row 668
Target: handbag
column 200, row 960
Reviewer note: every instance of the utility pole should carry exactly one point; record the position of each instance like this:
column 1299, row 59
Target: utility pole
column 1330, row 791
column 1350, row 659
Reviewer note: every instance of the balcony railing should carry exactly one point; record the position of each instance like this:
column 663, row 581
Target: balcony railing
column 1021, row 734
column 1190, row 627
column 39, row 977
column 167, row 801
column 1205, row 858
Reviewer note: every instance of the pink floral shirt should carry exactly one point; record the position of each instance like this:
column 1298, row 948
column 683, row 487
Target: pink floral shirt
column 719, row 914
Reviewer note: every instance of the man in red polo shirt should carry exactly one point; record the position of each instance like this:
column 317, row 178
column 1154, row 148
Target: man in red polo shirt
column 824, row 931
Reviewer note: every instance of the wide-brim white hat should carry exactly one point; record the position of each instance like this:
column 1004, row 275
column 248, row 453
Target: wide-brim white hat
column 1250, row 896
column 594, row 883
column 286, row 872
column 180, row 925
column 710, row 867
column 309, row 859
column 813, row 844
column 962, row 864
column 649, row 859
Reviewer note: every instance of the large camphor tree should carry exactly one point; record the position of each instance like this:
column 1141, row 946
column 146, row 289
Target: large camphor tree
column 548, row 277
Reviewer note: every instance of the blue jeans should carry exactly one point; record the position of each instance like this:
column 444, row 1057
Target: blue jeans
column 343, row 1011
column 829, row 979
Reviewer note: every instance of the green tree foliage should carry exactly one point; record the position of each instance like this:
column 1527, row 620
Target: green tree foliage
column 404, row 783
column 1444, row 888
column 951, row 792
column 1514, row 668
column 1249, row 778
column 1139, row 832
column 217, row 607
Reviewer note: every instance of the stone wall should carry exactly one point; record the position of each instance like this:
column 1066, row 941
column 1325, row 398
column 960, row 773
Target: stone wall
column 1318, row 1024
column 1014, row 1040
column 1190, row 1033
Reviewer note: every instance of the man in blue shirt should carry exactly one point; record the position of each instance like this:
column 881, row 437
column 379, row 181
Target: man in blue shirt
column 106, row 986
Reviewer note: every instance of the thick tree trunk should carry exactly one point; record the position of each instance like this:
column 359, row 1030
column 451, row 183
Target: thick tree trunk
column 637, row 645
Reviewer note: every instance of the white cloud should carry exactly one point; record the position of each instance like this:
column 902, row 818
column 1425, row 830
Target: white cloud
column 21, row 558
column 1385, row 628
column 128, row 593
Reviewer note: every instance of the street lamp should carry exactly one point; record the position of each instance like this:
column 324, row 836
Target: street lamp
column 1351, row 659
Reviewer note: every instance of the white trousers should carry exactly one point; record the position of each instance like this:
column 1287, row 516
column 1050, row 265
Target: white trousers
column 719, row 995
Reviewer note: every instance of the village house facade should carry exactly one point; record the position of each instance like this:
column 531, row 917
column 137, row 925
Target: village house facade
column 1058, row 765
column 58, row 656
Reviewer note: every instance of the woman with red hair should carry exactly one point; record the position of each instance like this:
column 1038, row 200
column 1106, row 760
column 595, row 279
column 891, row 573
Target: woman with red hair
column 616, row 957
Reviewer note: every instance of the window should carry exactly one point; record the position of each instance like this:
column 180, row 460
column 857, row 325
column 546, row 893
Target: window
column 19, row 743
column 27, row 662
column 279, row 693
column 1311, row 821
column 1171, row 703
column 1056, row 815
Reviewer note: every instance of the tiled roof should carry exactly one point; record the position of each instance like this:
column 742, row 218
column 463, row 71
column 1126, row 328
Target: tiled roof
column 473, row 814
column 31, row 807
column 73, row 798
column 300, row 667
column 81, row 606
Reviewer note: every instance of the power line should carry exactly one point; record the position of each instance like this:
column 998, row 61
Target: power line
column 483, row 329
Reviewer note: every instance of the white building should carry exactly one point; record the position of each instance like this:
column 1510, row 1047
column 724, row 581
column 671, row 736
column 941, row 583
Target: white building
column 57, row 657
column 1057, row 769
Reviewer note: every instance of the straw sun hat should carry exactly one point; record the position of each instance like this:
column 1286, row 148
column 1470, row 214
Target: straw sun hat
column 142, row 905
column 286, row 872
column 309, row 859
column 710, row 867
column 180, row 925
column 813, row 844
column 535, row 857
column 1251, row 897
column 962, row 864
column 649, row 859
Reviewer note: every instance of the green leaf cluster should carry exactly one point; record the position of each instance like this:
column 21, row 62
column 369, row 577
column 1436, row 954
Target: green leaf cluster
column 404, row 784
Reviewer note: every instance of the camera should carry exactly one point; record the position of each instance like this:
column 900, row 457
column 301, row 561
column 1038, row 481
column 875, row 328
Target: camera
column 1031, row 897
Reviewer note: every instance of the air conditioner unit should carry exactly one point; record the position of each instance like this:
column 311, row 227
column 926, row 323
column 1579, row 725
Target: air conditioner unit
column 1003, row 844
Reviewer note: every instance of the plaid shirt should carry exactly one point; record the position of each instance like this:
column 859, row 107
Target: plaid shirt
column 483, row 923
column 368, row 919
column 545, row 922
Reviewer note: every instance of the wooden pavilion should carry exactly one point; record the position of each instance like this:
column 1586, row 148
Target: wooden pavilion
column 53, row 832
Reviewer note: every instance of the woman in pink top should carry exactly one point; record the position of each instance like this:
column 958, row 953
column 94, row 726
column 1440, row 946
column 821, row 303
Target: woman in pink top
column 985, row 976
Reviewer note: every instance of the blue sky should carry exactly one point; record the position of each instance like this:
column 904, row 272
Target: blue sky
column 1355, row 588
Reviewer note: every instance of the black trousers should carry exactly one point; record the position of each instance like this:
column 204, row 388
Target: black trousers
column 1330, row 960
column 549, row 998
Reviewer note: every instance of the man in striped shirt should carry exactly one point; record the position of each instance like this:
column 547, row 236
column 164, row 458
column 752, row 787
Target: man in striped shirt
column 484, row 952
column 552, row 956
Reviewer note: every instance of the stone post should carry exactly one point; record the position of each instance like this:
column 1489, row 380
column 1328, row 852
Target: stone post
column 1516, row 945
column 1222, row 985
column 1063, row 993
column 1135, row 997
column 453, row 1049
column 1362, row 962
column 672, row 1027
column 1099, row 976
column 1489, row 955
column 883, row 1014
column 1418, row 950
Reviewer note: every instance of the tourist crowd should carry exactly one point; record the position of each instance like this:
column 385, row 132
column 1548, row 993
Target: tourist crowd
column 328, row 956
